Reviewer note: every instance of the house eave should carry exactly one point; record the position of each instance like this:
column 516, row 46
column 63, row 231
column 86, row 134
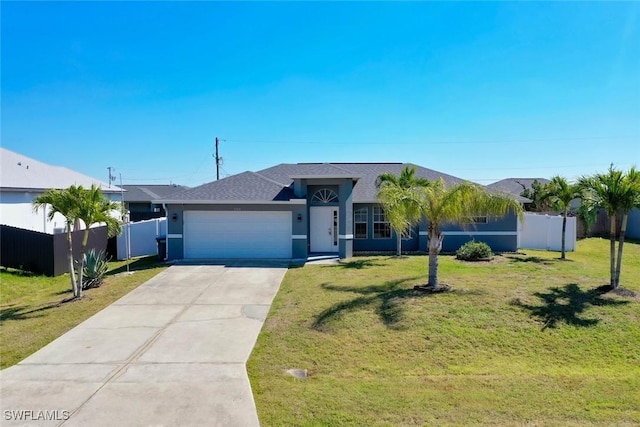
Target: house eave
column 343, row 176
column 232, row 202
column 113, row 190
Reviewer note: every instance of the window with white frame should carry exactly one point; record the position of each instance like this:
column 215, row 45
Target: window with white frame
column 360, row 223
column 407, row 234
column 381, row 227
column 480, row 219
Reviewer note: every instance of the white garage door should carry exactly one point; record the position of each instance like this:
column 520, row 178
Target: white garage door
column 237, row 234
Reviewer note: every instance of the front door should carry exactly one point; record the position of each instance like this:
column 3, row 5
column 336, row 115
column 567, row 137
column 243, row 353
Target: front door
column 324, row 228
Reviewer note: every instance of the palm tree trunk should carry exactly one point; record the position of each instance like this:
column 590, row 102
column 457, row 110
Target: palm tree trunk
column 612, row 249
column 564, row 232
column 83, row 250
column 72, row 271
column 623, row 230
column 435, row 245
column 399, row 244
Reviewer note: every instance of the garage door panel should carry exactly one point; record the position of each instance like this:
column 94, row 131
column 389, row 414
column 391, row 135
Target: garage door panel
column 231, row 234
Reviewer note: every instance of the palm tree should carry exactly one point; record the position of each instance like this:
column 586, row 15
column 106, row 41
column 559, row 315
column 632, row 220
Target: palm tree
column 617, row 193
column 78, row 204
column 441, row 205
column 400, row 200
column 560, row 193
column 64, row 203
column 94, row 208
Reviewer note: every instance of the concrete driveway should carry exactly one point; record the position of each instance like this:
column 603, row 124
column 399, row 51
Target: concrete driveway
column 170, row 353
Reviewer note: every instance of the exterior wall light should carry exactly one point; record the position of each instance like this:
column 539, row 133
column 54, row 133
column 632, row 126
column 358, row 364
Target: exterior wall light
column 299, row 217
column 174, row 217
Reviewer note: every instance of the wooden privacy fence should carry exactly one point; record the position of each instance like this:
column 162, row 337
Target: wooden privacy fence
column 545, row 232
column 44, row 253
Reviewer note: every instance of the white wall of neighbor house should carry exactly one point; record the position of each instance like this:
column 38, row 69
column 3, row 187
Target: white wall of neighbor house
column 16, row 210
column 545, row 232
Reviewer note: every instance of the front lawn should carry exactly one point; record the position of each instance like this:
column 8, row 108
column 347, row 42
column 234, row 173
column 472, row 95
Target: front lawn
column 523, row 340
column 34, row 310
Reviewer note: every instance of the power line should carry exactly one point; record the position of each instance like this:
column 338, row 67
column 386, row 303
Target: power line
column 438, row 142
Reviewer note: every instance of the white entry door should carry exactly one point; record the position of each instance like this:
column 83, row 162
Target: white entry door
column 324, row 228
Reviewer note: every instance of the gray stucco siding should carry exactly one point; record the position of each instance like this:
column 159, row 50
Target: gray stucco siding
column 507, row 223
column 498, row 243
column 505, row 238
column 175, row 227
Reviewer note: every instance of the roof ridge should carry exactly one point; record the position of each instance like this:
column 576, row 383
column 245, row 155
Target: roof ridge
column 269, row 179
column 340, row 168
column 148, row 192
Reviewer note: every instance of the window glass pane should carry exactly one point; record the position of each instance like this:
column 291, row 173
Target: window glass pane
column 381, row 228
column 360, row 222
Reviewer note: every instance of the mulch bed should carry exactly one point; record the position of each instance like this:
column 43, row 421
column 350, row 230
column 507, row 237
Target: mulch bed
column 623, row 292
column 432, row 289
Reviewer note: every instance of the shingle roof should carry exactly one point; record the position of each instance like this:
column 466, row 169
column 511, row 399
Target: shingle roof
column 147, row 193
column 275, row 183
column 515, row 186
column 243, row 187
column 19, row 172
column 365, row 189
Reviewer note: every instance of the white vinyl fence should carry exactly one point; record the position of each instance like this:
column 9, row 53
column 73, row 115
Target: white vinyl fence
column 139, row 238
column 545, row 232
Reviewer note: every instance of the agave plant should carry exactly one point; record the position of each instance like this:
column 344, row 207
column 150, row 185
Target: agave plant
column 95, row 267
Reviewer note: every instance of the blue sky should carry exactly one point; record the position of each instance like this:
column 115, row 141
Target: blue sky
column 482, row 91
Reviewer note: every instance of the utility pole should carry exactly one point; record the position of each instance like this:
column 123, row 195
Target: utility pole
column 217, row 161
column 111, row 176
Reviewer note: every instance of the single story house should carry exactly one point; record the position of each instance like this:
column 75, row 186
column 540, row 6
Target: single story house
column 138, row 200
column 291, row 211
column 22, row 179
column 515, row 186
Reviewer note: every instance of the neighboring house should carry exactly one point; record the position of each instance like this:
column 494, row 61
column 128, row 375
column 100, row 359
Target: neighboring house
column 290, row 211
column 139, row 199
column 22, row 179
column 515, row 186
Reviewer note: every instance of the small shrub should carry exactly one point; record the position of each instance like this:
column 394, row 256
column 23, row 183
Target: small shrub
column 474, row 251
column 95, row 267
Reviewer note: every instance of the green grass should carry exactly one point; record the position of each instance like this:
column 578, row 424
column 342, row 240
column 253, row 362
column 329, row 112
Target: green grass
column 523, row 340
column 35, row 310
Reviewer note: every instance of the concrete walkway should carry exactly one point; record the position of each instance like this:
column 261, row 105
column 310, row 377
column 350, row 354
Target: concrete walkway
column 170, row 353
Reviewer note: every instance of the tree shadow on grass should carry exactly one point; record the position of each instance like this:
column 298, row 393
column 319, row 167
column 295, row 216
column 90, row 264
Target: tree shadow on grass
column 566, row 304
column 535, row 259
column 357, row 264
column 387, row 299
column 22, row 312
